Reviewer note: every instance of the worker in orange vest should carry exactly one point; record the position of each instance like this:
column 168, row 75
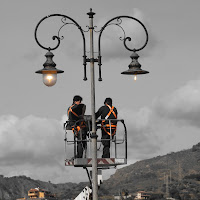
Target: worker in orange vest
column 108, row 129
column 75, row 114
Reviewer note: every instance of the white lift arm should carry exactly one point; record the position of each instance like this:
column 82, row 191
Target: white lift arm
column 85, row 194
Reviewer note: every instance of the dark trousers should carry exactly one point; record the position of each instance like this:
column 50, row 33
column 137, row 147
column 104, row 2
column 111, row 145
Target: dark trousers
column 81, row 145
column 105, row 139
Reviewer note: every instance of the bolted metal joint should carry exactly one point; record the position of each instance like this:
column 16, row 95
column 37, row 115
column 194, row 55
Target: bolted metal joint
column 99, row 63
column 84, row 64
column 91, row 60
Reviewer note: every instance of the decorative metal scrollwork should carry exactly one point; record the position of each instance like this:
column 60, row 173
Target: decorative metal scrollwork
column 63, row 20
column 58, row 38
column 125, row 39
column 114, row 21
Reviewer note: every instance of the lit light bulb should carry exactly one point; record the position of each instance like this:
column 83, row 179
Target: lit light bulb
column 49, row 79
column 135, row 78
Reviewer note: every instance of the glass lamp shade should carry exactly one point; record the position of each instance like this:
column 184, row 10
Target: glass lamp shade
column 49, row 79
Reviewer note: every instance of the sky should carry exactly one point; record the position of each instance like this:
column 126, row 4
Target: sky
column 161, row 109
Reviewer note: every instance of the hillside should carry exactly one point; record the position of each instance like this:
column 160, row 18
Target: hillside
column 18, row 186
column 182, row 169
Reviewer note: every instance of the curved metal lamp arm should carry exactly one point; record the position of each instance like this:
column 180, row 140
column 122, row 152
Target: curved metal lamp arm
column 125, row 39
column 64, row 17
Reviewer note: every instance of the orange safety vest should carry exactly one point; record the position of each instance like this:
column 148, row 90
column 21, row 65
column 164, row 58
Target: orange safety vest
column 76, row 128
column 106, row 127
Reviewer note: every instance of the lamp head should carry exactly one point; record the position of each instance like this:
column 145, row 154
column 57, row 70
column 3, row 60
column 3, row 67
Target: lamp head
column 134, row 66
column 49, row 71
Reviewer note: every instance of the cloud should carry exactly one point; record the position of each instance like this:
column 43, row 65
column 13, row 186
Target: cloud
column 35, row 147
column 27, row 138
column 31, row 144
column 182, row 105
column 143, row 140
column 170, row 123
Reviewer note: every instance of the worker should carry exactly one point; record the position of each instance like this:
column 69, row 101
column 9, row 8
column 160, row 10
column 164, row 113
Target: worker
column 107, row 112
column 75, row 114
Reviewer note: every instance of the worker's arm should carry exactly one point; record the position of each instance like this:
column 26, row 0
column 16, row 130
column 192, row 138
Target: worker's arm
column 83, row 110
column 99, row 112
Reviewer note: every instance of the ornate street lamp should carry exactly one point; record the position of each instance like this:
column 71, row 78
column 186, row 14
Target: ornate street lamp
column 50, row 72
column 134, row 67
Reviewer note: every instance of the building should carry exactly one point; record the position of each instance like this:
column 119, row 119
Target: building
column 39, row 194
column 122, row 197
column 142, row 195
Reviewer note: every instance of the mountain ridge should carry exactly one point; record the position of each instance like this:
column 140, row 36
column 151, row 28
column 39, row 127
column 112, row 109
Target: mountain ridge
column 151, row 174
column 180, row 169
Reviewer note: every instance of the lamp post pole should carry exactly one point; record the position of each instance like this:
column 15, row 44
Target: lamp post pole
column 50, row 71
column 94, row 135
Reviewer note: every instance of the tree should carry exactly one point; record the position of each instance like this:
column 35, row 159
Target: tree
column 175, row 193
column 186, row 197
column 125, row 193
column 156, row 197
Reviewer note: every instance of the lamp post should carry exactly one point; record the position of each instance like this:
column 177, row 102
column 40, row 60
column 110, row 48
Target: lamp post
column 50, row 71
